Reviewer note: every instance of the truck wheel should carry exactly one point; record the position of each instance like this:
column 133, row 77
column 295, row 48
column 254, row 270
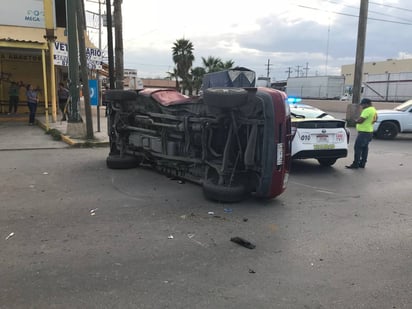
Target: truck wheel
column 327, row 161
column 225, row 98
column 120, row 95
column 122, row 162
column 222, row 193
column 387, row 130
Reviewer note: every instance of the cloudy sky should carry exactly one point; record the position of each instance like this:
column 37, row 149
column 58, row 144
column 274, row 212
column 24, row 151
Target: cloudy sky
column 292, row 35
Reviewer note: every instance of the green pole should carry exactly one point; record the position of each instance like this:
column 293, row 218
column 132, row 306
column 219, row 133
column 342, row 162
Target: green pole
column 74, row 81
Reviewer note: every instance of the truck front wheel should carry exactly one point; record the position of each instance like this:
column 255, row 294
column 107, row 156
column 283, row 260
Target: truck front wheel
column 387, row 130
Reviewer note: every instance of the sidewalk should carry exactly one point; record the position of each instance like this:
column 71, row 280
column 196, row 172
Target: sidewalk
column 101, row 139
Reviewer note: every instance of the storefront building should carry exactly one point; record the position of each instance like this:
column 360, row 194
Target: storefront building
column 25, row 54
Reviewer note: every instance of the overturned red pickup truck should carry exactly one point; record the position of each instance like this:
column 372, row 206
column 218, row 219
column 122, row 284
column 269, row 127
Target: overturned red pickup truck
column 233, row 141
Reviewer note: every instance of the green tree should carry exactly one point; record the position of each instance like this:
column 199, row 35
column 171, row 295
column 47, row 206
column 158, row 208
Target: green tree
column 228, row 64
column 212, row 64
column 173, row 75
column 215, row 64
column 197, row 75
column 183, row 58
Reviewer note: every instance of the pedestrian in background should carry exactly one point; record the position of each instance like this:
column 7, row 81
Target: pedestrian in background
column 63, row 95
column 13, row 97
column 32, row 100
column 364, row 127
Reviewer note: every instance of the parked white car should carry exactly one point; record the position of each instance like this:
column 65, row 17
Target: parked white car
column 318, row 135
column 346, row 97
column 393, row 121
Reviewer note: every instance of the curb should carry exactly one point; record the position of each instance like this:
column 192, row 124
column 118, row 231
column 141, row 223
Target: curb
column 74, row 143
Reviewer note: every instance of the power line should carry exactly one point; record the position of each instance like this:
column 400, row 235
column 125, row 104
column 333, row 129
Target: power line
column 390, row 6
column 352, row 15
column 375, row 12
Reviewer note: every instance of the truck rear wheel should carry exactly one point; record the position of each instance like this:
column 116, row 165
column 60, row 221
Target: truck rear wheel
column 122, row 161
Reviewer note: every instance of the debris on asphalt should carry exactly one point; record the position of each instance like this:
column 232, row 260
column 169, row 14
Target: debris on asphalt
column 251, row 271
column 45, row 173
column 245, row 219
column 93, row 211
column 211, row 213
column 228, row 210
column 10, row 235
column 170, row 237
column 242, row 242
column 190, row 235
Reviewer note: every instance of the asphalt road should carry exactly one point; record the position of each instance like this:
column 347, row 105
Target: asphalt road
column 75, row 234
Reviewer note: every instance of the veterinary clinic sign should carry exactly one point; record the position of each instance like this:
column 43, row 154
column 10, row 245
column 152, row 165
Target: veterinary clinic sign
column 61, row 56
column 25, row 13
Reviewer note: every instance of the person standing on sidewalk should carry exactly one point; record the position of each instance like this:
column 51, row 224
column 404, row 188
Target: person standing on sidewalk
column 63, row 95
column 13, row 97
column 32, row 100
column 364, row 126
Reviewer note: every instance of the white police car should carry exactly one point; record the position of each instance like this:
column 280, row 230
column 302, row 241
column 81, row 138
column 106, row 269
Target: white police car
column 318, row 135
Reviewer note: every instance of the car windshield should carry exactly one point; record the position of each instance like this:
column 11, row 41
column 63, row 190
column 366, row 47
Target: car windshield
column 404, row 106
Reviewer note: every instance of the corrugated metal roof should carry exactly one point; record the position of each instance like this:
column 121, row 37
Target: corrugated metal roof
column 13, row 34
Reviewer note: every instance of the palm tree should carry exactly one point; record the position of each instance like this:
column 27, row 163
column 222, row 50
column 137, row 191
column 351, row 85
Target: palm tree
column 197, row 75
column 173, row 75
column 212, row 64
column 228, row 64
column 183, row 58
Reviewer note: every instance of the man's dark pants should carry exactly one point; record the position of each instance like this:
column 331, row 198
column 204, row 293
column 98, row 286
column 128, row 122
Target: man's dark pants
column 362, row 148
column 32, row 109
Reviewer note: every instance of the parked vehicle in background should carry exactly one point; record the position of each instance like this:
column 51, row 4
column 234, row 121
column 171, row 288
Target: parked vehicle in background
column 318, row 135
column 393, row 121
column 233, row 141
column 316, row 87
column 345, row 97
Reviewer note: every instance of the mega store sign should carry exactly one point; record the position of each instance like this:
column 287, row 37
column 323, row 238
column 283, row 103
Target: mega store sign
column 61, row 56
column 24, row 13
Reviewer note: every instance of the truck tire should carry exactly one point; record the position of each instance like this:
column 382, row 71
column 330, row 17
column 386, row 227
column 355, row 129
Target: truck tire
column 120, row 95
column 224, row 194
column 387, row 130
column 221, row 193
column 122, row 162
column 225, row 98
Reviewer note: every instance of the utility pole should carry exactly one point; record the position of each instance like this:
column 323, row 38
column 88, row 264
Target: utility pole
column 110, row 42
column 297, row 70
column 353, row 110
column 81, row 28
column 71, row 18
column 268, row 69
column 118, row 29
column 99, row 86
column 51, row 38
column 360, row 51
column 289, row 71
column 306, row 69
